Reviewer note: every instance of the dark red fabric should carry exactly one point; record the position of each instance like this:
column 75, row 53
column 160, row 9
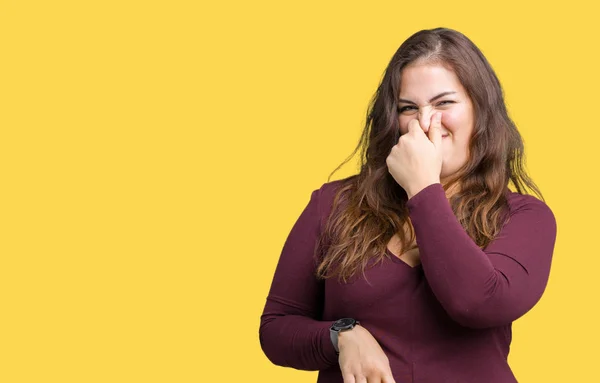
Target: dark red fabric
column 446, row 320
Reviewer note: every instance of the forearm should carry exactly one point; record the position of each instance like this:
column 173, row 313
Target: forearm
column 291, row 332
column 475, row 287
column 295, row 341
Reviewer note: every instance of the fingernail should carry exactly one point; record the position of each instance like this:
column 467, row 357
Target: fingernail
column 438, row 116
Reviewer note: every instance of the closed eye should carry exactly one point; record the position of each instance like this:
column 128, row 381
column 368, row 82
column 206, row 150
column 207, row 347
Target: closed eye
column 405, row 108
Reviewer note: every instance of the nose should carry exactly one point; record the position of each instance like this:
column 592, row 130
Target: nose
column 424, row 116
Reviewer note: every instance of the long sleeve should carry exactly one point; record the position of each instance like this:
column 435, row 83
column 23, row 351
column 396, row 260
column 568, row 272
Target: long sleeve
column 290, row 333
column 490, row 287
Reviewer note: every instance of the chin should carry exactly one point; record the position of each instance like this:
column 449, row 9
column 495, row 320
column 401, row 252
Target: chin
column 445, row 173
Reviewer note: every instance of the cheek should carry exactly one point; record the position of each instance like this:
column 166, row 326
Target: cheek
column 456, row 121
column 403, row 122
column 451, row 121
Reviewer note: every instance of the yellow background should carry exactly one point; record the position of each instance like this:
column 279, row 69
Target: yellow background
column 155, row 154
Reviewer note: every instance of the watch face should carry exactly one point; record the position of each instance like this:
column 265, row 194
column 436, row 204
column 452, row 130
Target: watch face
column 345, row 322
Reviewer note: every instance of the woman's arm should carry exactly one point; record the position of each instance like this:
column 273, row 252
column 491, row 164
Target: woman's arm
column 291, row 334
column 483, row 288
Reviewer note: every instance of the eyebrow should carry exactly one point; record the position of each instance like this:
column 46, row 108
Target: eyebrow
column 432, row 100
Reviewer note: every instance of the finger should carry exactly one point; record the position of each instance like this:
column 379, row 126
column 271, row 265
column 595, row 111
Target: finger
column 388, row 378
column 414, row 127
column 435, row 130
column 361, row 379
column 348, row 377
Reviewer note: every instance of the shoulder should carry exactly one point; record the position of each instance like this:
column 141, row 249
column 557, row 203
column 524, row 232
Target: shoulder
column 324, row 196
column 536, row 210
column 328, row 190
column 530, row 229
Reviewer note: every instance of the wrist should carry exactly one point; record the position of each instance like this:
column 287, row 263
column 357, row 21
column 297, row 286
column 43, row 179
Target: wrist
column 338, row 328
column 411, row 192
column 345, row 335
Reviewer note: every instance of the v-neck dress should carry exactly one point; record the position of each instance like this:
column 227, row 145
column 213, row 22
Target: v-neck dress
column 447, row 319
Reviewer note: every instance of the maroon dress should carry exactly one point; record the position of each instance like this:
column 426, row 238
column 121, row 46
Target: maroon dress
column 445, row 320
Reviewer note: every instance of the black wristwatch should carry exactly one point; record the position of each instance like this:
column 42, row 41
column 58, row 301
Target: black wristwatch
column 338, row 326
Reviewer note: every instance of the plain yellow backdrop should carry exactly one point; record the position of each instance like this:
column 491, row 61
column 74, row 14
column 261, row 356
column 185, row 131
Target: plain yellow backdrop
column 155, row 154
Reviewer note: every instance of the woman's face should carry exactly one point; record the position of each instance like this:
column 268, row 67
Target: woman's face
column 429, row 88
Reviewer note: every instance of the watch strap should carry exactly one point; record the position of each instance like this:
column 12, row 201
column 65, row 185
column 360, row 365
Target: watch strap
column 334, row 339
column 334, row 331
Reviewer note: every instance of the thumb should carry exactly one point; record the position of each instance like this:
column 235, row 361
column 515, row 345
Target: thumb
column 435, row 130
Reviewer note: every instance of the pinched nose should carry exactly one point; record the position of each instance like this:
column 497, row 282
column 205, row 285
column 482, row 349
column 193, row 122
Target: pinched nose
column 424, row 115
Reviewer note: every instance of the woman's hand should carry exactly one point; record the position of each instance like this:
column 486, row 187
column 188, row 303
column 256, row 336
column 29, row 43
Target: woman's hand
column 361, row 358
column 415, row 161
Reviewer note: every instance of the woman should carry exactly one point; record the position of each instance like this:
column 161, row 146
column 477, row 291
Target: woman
column 414, row 269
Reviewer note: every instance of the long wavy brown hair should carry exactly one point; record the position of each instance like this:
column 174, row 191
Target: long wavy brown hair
column 370, row 207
